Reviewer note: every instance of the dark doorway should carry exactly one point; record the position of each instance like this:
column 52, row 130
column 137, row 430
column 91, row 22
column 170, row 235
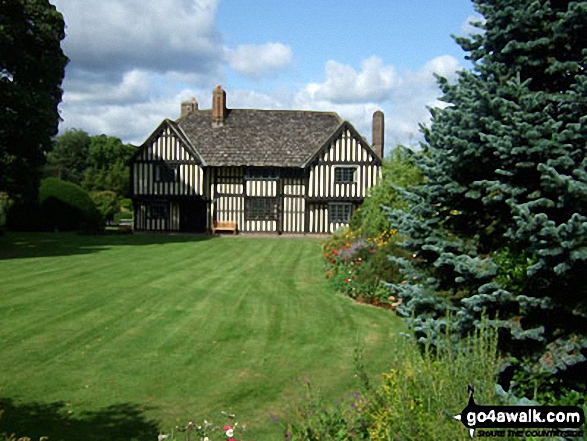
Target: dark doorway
column 192, row 214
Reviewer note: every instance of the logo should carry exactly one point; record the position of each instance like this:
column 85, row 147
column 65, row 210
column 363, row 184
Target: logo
column 521, row 418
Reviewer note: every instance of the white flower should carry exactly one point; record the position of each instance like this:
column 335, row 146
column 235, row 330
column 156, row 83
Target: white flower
column 162, row 437
column 229, row 433
column 206, row 439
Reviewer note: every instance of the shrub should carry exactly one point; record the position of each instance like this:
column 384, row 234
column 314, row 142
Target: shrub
column 416, row 399
column 316, row 419
column 398, row 171
column 107, row 203
column 66, row 206
column 122, row 215
column 358, row 266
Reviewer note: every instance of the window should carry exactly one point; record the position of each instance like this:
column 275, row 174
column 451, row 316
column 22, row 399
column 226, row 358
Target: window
column 158, row 210
column 344, row 175
column 262, row 209
column 261, row 173
column 166, row 173
column 340, row 212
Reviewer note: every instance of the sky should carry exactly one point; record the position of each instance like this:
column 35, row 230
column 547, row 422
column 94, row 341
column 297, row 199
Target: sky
column 132, row 62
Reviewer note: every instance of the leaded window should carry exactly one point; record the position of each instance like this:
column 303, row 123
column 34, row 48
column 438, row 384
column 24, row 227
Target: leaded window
column 340, row 212
column 158, row 210
column 261, row 209
column 344, row 175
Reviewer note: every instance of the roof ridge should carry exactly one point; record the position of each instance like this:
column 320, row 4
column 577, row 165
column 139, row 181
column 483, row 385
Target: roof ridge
column 323, row 112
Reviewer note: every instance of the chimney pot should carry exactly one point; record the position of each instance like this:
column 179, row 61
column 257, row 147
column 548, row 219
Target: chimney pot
column 188, row 107
column 378, row 132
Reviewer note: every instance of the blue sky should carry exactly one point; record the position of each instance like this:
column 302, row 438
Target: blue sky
column 134, row 61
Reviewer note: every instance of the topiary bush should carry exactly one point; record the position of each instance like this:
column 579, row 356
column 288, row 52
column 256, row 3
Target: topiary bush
column 65, row 206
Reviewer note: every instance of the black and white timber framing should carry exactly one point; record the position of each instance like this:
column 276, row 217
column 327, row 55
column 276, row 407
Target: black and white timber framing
column 268, row 171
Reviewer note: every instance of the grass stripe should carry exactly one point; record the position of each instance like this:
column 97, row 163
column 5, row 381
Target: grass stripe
column 177, row 325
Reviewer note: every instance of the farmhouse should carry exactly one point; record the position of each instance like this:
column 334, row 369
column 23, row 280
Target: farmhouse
column 271, row 171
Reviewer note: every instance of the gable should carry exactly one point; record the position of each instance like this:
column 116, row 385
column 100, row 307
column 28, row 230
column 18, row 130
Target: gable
column 345, row 146
column 167, row 143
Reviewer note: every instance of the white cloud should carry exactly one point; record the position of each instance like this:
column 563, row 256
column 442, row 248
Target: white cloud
column 255, row 61
column 135, row 86
column 344, row 85
column 129, row 59
column 162, row 36
column 131, row 122
column 404, row 97
column 445, row 66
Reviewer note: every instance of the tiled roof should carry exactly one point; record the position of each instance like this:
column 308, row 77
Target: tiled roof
column 259, row 137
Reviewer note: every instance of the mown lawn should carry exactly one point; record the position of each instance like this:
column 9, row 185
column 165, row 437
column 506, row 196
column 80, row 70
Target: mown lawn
column 116, row 337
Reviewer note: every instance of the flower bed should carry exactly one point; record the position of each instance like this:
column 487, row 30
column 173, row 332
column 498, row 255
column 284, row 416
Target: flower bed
column 359, row 266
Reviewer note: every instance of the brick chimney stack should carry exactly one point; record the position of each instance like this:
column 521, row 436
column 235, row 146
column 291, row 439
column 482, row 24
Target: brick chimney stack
column 188, row 107
column 218, row 107
column 378, row 132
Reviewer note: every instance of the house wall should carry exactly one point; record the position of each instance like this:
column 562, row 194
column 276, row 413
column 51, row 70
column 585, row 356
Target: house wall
column 345, row 151
column 166, row 148
column 156, row 203
column 319, row 218
column 231, row 189
column 302, row 198
column 227, row 195
column 146, row 220
column 348, row 151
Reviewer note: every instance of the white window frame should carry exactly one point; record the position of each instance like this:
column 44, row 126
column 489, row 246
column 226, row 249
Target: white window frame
column 343, row 177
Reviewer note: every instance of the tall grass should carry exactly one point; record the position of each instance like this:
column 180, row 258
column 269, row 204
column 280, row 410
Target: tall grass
column 416, row 398
column 421, row 393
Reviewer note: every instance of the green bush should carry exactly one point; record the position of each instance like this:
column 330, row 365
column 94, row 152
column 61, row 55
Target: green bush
column 107, row 203
column 123, row 215
column 421, row 393
column 416, row 399
column 398, row 171
column 66, row 207
column 126, row 204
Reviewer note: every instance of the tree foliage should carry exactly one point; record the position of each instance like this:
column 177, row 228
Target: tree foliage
column 107, row 203
column 69, row 157
column 398, row 171
column 107, row 168
column 32, row 66
column 500, row 223
column 98, row 163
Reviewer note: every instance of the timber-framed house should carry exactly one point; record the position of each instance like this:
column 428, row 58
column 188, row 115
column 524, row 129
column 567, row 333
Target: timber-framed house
column 270, row 171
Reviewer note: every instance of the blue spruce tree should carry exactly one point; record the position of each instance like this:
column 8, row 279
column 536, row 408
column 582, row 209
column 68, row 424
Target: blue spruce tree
column 500, row 224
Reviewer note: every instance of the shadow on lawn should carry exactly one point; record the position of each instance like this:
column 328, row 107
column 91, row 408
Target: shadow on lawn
column 121, row 422
column 26, row 245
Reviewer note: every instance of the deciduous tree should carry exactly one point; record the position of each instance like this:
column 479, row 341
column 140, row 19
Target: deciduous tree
column 69, row 157
column 32, row 66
